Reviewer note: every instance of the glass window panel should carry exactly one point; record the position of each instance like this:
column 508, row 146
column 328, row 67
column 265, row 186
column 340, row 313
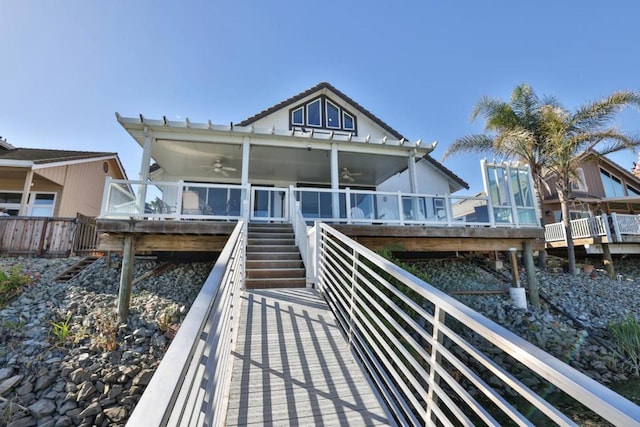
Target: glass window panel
column 632, row 191
column 314, row 115
column 42, row 211
column 10, row 197
column 297, row 116
column 333, row 116
column 347, row 121
column 44, row 199
column 612, row 185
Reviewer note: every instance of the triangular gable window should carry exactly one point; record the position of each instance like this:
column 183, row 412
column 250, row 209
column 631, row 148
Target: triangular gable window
column 321, row 112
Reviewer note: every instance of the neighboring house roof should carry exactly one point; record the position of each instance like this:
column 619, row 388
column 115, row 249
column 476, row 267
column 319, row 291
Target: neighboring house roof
column 43, row 156
column 4, row 145
column 324, row 85
column 446, row 171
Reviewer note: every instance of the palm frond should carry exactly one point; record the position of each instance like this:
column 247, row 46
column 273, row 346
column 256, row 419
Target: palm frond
column 478, row 143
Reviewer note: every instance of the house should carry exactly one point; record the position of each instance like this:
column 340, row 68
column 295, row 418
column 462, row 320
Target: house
column 54, row 183
column 602, row 186
column 317, row 139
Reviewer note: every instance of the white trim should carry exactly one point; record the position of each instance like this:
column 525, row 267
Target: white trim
column 326, row 111
column 353, row 121
column 306, row 107
column 16, row 163
column 72, row 162
column 31, row 204
column 294, row 123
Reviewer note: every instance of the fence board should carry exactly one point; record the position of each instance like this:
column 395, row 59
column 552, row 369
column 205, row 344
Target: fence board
column 39, row 236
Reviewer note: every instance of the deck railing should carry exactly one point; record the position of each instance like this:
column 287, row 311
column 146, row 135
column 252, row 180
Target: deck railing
column 435, row 361
column 613, row 227
column 174, row 200
column 190, row 387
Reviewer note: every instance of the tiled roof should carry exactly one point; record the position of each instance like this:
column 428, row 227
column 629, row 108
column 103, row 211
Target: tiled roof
column 43, row 156
column 364, row 111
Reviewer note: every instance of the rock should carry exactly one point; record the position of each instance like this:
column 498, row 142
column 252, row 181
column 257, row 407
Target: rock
column 90, row 411
column 67, row 406
column 24, row 389
column 6, row 373
column 79, row 375
column 116, row 414
column 44, row 382
column 85, row 391
column 64, row 421
column 23, row 422
column 143, row 377
column 9, row 384
column 42, row 408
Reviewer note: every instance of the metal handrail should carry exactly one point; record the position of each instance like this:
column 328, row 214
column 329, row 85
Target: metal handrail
column 190, row 387
column 434, row 360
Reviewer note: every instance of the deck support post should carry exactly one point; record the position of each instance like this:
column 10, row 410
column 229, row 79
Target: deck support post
column 608, row 261
column 532, row 281
column 126, row 277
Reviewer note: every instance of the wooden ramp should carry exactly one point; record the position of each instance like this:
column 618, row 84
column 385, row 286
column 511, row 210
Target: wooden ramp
column 293, row 366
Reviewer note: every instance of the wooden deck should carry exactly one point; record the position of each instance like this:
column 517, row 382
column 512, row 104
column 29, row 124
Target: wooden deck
column 293, row 366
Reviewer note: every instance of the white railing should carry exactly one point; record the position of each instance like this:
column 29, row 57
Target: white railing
column 173, row 200
column 627, row 224
column 555, row 232
column 437, row 362
column 588, row 227
column 191, row 385
column 397, row 208
column 302, row 236
column 182, row 200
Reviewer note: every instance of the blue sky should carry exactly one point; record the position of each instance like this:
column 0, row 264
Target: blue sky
column 68, row 66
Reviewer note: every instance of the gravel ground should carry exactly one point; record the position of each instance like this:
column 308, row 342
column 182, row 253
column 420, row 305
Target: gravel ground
column 84, row 381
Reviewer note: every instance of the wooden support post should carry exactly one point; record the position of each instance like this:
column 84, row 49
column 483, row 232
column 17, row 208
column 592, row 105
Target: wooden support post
column 514, row 267
column 608, row 261
column 532, row 281
column 108, row 263
column 126, row 278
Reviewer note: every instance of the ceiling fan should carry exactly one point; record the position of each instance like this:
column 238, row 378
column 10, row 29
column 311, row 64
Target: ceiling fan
column 217, row 167
column 346, row 174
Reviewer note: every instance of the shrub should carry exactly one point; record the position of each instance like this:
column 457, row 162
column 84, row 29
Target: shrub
column 11, row 283
column 61, row 330
column 626, row 334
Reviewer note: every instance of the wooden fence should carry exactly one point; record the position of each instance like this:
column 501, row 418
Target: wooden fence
column 41, row 236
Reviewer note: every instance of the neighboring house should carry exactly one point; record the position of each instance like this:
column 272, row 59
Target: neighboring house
column 60, row 183
column 319, row 138
column 602, row 186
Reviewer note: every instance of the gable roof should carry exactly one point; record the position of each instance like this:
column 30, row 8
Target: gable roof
column 317, row 88
column 324, row 85
column 43, row 156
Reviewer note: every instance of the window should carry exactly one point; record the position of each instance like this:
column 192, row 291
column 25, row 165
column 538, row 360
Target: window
column 348, row 122
column 314, row 116
column 579, row 183
column 612, row 185
column 632, row 191
column 10, row 200
column 333, row 115
column 41, row 204
column 322, row 113
column 297, row 116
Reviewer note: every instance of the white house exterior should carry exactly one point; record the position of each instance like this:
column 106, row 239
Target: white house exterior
column 318, row 151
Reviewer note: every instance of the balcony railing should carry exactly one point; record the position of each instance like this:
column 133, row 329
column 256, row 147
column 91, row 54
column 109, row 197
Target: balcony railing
column 613, row 227
column 182, row 200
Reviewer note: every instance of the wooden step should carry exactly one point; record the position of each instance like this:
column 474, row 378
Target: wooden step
column 263, row 256
column 272, row 248
column 275, row 273
column 274, row 263
column 251, row 241
column 275, row 283
column 75, row 269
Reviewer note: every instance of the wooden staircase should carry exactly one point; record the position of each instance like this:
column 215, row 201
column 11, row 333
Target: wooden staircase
column 75, row 269
column 273, row 259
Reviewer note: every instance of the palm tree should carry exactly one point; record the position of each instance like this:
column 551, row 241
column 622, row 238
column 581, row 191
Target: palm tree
column 514, row 130
column 571, row 136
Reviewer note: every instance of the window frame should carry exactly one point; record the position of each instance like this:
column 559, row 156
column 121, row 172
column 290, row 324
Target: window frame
column 581, row 183
column 320, row 117
column 33, row 197
column 324, row 104
column 11, row 207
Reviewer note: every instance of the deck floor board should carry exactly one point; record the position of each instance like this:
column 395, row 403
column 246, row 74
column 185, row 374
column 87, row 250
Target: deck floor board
column 293, row 366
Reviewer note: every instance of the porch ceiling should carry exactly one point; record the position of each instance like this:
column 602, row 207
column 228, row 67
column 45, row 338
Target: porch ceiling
column 271, row 164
